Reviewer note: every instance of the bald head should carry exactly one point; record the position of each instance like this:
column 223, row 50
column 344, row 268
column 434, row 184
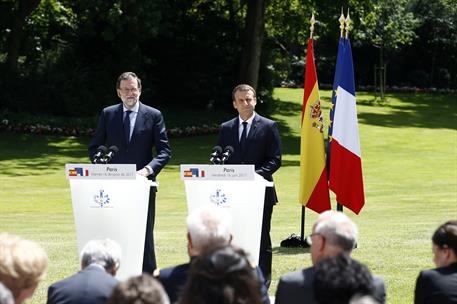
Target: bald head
column 333, row 233
column 208, row 226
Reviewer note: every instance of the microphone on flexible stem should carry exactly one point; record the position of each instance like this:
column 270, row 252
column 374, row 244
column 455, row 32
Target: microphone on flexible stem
column 215, row 155
column 112, row 151
column 98, row 157
column 228, row 151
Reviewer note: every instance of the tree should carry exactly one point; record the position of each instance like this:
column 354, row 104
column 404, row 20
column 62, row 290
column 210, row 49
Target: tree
column 389, row 25
column 438, row 36
column 21, row 11
column 253, row 39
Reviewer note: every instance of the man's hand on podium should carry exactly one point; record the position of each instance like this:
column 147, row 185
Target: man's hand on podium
column 143, row 172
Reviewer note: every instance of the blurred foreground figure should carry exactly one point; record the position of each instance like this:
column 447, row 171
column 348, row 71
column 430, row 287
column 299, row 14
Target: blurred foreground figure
column 221, row 276
column 339, row 278
column 23, row 265
column 142, row 289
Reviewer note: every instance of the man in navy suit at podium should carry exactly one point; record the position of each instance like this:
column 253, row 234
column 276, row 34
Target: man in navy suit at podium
column 255, row 141
column 135, row 128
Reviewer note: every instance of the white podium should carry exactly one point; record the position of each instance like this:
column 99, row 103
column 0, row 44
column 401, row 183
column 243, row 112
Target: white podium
column 235, row 187
column 111, row 201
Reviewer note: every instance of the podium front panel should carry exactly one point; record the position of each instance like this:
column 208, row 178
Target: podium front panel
column 114, row 209
column 243, row 200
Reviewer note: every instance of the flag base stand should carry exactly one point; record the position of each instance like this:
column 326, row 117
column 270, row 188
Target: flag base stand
column 295, row 240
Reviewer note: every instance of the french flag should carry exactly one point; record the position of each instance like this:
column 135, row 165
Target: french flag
column 345, row 162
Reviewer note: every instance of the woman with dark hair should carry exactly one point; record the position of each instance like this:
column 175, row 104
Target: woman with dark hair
column 439, row 285
column 222, row 275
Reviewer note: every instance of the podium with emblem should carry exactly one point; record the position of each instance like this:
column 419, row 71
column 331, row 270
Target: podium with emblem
column 238, row 189
column 111, row 201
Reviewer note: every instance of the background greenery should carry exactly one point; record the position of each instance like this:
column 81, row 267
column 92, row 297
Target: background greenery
column 409, row 150
column 61, row 57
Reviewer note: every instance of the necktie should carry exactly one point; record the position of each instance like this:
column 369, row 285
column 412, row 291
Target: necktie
column 127, row 126
column 243, row 136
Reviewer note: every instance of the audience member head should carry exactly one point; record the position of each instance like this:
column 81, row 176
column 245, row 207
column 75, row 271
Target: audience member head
column 221, row 276
column 106, row 253
column 208, row 226
column 23, row 265
column 363, row 299
column 445, row 244
column 142, row 289
column 333, row 233
column 338, row 278
column 6, row 297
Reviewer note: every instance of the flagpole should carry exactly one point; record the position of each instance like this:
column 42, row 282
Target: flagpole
column 345, row 178
column 302, row 230
column 303, row 208
column 342, row 21
column 345, row 23
column 293, row 240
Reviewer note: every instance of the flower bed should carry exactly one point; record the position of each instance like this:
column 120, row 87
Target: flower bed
column 8, row 126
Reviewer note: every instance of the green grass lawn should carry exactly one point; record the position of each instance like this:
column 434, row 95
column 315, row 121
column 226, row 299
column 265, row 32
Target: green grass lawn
column 409, row 156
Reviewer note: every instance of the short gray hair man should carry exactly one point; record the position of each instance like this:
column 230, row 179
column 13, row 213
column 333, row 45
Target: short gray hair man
column 106, row 253
column 333, row 233
column 100, row 260
column 208, row 226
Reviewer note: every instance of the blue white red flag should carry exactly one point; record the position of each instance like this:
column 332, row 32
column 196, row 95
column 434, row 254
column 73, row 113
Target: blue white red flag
column 345, row 173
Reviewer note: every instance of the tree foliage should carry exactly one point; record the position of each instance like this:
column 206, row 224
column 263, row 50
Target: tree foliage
column 62, row 56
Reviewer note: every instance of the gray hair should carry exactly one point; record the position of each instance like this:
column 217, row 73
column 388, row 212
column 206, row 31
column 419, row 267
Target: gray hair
column 209, row 226
column 363, row 299
column 106, row 253
column 338, row 229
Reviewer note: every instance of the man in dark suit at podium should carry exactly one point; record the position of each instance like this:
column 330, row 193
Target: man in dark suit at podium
column 135, row 128
column 255, row 141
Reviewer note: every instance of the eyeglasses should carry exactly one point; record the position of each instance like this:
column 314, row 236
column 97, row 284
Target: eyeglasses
column 314, row 234
column 132, row 90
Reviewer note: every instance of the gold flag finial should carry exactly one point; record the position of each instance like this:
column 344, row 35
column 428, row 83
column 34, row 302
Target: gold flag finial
column 347, row 22
column 311, row 28
column 341, row 20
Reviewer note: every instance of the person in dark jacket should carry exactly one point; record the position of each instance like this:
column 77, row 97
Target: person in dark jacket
column 100, row 260
column 439, row 285
column 207, row 227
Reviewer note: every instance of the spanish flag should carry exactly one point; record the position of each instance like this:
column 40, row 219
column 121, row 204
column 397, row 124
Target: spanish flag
column 314, row 192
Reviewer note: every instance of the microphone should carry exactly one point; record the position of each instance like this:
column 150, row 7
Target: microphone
column 112, row 151
column 215, row 155
column 228, row 151
column 98, row 157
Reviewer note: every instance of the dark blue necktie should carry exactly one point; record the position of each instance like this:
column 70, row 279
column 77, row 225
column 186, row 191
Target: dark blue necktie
column 243, row 136
column 127, row 126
